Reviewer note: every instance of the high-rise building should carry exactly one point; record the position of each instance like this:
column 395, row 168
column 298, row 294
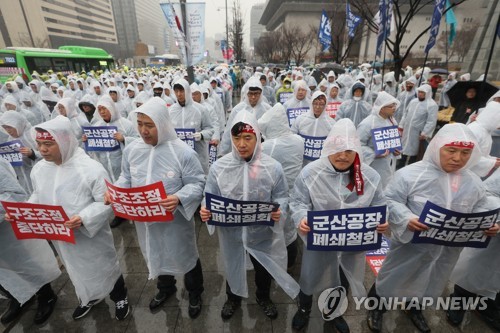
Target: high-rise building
column 126, row 27
column 255, row 28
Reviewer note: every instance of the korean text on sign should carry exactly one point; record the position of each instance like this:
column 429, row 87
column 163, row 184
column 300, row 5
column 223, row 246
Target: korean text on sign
column 212, row 154
column 100, row 138
column 375, row 258
column 352, row 229
column 313, row 146
column 186, row 135
column 386, row 138
column 451, row 228
column 284, row 96
column 140, row 204
column 9, row 151
column 39, row 221
column 332, row 108
column 236, row 213
column 294, row 113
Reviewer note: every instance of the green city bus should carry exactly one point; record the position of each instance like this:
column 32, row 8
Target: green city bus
column 67, row 59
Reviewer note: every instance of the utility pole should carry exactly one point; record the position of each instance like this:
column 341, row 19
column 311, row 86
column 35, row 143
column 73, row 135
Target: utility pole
column 184, row 23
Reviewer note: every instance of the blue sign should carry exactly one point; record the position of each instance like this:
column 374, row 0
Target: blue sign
column 212, row 154
column 436, row 21
column 325, row 31
column 352, row 20
column 294, row 113
column 100, row 138
column 352, row 229
column 384, row 249
column 313, row 146
column 384, row 138
column 451, row 228
column 9, row 151
column 186, row 135
column 284, row 96
column 235, row 213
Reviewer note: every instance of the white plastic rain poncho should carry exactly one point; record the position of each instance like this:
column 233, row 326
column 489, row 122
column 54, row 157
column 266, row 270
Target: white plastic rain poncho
column 77, row 119
column 192, row 116
column 391, row 89
column 385, row 166
column 418, row 270
column 376, row 85
column 78, row 186
column 405, row 97
column 268, row 92
column 303, row 105
column 23, row 128
column 112, row 160
column 478, row 270
column 81, row 91
column 285, row 147
column 35, row 93
column 9, row 99
column 169, row 98
column 420, row 117
column 13, row 87
column 27, row 103
column 356, row 110
column 258, row 110
column 218, row 109
column 92, row 118
column 260, row 179
column 169, row 248
column 307, row 126
column 25, row 265
column 444, row 100
column 486, row 123
column 320, row 187
column 207, row 108
column 120, row 105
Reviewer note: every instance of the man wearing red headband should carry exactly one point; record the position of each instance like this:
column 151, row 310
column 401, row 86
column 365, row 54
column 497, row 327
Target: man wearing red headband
column 337, row 180
column 417, row 270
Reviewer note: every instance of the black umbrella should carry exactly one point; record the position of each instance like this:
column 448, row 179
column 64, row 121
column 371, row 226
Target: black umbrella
column 484, row 91
column 439, row 71
column 331, row 66
column 318, row 75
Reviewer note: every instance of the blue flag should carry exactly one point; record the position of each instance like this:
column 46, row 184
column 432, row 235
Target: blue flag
column 325, row 31
column 452, row 21
column 384, row 24
column 352, row 20
column 436, row 20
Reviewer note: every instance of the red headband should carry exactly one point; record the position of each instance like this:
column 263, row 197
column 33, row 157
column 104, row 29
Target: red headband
column 248, row 129
column 460, row 144
column 44, row 136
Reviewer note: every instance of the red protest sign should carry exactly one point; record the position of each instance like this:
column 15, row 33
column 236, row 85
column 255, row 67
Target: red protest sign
column 139, row 204
column 332, row 108
column 38, row 221
column 375, row 263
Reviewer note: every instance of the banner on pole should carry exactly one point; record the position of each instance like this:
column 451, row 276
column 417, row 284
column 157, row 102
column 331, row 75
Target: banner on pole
column 325, row 31
column 352, row 21
column 436, row 21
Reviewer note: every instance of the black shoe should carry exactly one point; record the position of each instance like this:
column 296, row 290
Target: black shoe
column 117, row 221
column 418, row 320
column 490, row 317
column 122, row 309
column 12, row 312
column 300, row 319
column 194, row 308
column 82, row 310
column 44, row 310
column 229, row 308
column 341, row 325
column 455, row 317
column 268, row 307
column 160, row 298
column 374, row 320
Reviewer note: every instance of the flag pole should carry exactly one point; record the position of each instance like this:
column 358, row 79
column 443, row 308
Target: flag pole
column 491, row 49
column 190, row 71
column 385, row 43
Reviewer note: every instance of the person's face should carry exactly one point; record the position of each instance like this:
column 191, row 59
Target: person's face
column 471, row 93
column 180, row 94
column 388, row 111
column 140, row 86
column 197, row 96
column 421, row 95
column 263, row 82
column 60, row 93
column 86, row 108
column 497, row 99
column 409, row 86
column 167, row 92
column 62, row 110
column 80, row 85
column 27, row 103
column 9, row 87
column 331, row 79
column 50, row 151
column 114, row 96
column 10, row 107
column 358, row 93
column 104, row 113
column 131, row 93
column 20, row 85
column 318, row 106
column 334, row 92
column 147, row 129
column 34, row 88
column 343, row 160
column 205, row 95
column 72, row 85
column 453, row 159
column 253, row 97
column 12, row 131
column 245, row 144
column 322, row 88
column 97, row 90
column 54, row 90
column 301, row 94
column 157, row 92
column 213, row 84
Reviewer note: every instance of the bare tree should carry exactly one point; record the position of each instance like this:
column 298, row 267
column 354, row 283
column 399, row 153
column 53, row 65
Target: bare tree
column 301, row 45
column 403, row 11
column 461, row 44
column 236, row 32
column 268, row 45
column 26, row 41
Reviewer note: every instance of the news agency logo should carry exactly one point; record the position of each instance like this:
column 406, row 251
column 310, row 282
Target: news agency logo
column 332, row 303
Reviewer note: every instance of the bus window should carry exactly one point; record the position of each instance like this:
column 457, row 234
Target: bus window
column 7, row 66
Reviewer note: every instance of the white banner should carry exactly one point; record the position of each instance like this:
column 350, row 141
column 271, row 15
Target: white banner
column 173, row 15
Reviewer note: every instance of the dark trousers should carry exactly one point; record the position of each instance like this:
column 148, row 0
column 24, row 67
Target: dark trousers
column 44, row 294
column 292, row 251
column 119, row 291
column 491, row 306
column 262, row 281
column 193, row 281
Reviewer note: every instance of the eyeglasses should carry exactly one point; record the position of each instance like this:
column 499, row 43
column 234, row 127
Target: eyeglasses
column 253, row 93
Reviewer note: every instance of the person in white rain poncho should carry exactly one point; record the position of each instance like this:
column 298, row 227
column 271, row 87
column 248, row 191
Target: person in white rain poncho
column 248, row 174
column 27, row 103
column 219, row 111
column 418, row 124
column 313, row 126
column 252, row 102
column 329, row 184
column 70, row 178
column 334, row 101
column 188, row 115
column 406, row 97
column 88, row 110
column 120, row 105
column 299, row 103
column 66, row 107
column 390, row 84
column 288, row 149
column 382, row 116
column 9, row 104
column 18, row 128
column 27, row 266
column 477, row 272
column 198, row 98
column 356, row 107
column 444, row 178
column 169, row 248
column 444, row 100
column 486, row 123
column 11, row 88
column 267, row 90
column 169, row 97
